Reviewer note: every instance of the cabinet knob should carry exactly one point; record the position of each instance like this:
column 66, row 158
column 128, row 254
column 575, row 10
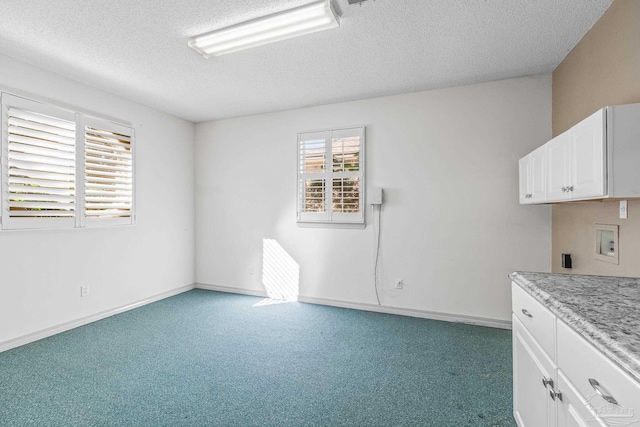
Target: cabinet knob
column 602, row 392
column 555, row 395
column 526, row 313
column 564, row 189
column 547, row 382
column 570, row 188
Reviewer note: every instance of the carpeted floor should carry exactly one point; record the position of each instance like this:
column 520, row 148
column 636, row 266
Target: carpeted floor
column 213, row 359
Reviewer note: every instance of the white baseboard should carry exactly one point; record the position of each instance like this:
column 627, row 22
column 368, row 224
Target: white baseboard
column 457, row 318
column 232, row 290
column 44, row 333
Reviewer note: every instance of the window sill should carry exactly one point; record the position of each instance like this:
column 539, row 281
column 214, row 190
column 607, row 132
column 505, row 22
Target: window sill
column 319, row 224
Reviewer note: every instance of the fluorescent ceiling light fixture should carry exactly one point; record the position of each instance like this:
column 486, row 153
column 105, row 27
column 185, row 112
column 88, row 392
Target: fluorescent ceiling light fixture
column 316, row 16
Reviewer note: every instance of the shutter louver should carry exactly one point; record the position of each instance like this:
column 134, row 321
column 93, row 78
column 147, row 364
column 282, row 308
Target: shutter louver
column 41, row 171
column 108, row 171
column 346, row 195
column 314, row 195
column 312, row 173
column 313, row 155
column 345, row 152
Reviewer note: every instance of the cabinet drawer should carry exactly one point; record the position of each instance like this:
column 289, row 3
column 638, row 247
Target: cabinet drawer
column 581, row 362
column 536, row 318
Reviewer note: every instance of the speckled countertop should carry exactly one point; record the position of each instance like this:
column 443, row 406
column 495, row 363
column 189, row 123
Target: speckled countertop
column 604, row 310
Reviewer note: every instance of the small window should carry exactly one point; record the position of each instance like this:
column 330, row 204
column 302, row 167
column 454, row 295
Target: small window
column 62, row 169
column 331, row 177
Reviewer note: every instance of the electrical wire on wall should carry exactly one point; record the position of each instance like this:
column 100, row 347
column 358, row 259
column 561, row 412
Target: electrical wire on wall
column 378, row 270
column 377, row 227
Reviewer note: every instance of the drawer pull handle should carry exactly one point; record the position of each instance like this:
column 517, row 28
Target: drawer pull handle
column 555, row 394
column 602, row 391
column 547, row 382
column 526, row 313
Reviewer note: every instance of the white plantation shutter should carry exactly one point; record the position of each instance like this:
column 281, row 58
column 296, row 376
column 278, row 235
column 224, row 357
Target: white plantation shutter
column 346, row 146
column 313, row 176
column 108, row 172
column 39, row 172
column 331, row 176
column 62, row 169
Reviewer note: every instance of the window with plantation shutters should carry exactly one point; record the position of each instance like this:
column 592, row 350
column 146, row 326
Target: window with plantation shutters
column 62, row 169
column 38, row 164
column 331, row 177
column 108, row 172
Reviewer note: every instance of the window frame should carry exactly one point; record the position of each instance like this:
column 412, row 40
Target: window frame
column 329, row 219
column 79, row 220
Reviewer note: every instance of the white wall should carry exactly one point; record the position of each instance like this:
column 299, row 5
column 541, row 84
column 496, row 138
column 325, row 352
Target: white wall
column 41, row 271
column 447, row 160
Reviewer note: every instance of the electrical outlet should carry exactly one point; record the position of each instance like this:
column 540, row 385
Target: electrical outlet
column 250, row 270
column 84, row 291
column 399, row 283
column 623, row 209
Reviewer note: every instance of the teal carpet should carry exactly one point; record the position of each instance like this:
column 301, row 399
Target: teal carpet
column 213, row 359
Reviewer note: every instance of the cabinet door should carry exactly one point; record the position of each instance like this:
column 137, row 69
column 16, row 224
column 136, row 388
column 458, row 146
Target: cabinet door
column 573, row 409
column 595, row 376
column 558, row 167
column 524, row 166
column 532, row 405
column 588, row 157
column 538, row 176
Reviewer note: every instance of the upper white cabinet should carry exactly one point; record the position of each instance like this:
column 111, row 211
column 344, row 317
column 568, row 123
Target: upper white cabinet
column 588, row 143
column 576, row 160
column 532, row 177
column 558, row 167
column 595, row 159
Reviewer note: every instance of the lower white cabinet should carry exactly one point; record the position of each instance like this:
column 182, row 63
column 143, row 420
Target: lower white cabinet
column 606, row 389
column 532, row 371
column 560, row 379
column 573, row 410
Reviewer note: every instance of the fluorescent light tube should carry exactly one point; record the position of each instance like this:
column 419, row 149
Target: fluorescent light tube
column 316, row 16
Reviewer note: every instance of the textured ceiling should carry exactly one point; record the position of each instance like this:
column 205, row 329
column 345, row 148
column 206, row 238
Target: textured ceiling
column 138, row 49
